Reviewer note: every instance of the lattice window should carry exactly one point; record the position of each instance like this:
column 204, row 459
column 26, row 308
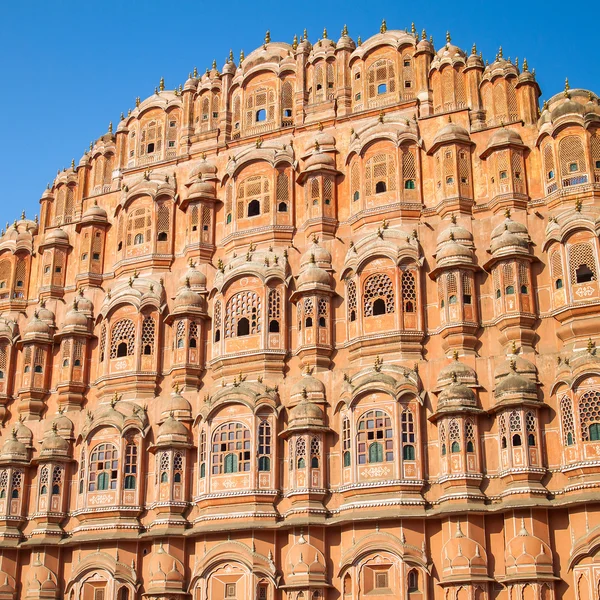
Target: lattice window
column 139, row 226
column 102, row 342
column 178, row 467
column 66, row 348
column 313, row 189
column 375, row 438
column 461, row 96
column 78, row 353
column 448, row 88
column 470, row 435
column 380, row 174
column 229, row 201
column 549, row 169
column 253, row 189
column 352, row 299
column 231, row 449
column 572, row 155
column 530, row 426
column 69, row 203
column 488, row 102
column 38, row 360
column 502, row 425
column 3, row 483
column 556, row 265
column 20, row 276
column 516, row 162
column 283, row 192
column 454, row 435
column 217, row 314
column 264, row 445
column 206, row 212
column 287, row 100
column 523, row 274
column 172, row 130
column 346, row 443
column 515, row 421
column 300, row 453
column 180, row 334
column 378, row 288
column 381, row 73
column 451, row 286
column 164, row 464
column 57, row 479
column 407, row 423
column 309, row 307
column 443, row 439
column 3, row 359
column 274, row 311
column 511, row 101
column 448, row 169
column 163, row 218
column 595, row 150
column 237, row 109
column 323, row 307
column 148, row 334
column 407, row 72
column 123, row 332
column 500, row 102
column 151, row 138
column 568, row 421
column 260, row 106
column 202, row 454
column 355, row 181
column 193, row 335
column 103, row 468
column 409, row 292
column 508, row 274
column 409, row 169
column 131, row 454
column 82, row 471
column 582, row 263
column 466, row 285
column 16, row 483
column 4, row 275
column 243, row 305
column 589, row 415
column 60, row 205
column 315, row 452
column 327, row 190
column 44, row 480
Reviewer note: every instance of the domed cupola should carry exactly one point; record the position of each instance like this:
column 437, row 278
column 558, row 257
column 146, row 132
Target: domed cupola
column 76, row 322
column 514, row 388
column 313, row 296
column 305, row 568
column 54, row 446
column 458, row 372
column 84, row 304
column 455, row 277
column 463, row 559
column 172, row 434
column 13, row 450
column 345, row 43
column 177, row 406
column 93, row 214
column 456, row 396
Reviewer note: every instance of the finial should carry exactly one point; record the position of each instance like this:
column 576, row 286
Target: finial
column 295, row 42
column 455, row 355
column 305, row 35
column 381, row 116
column 214, row 64
column 383, row 27
column 413, row 29
column 345, row 31
column 137, row 101
column 507, row 213
column 267, row 37
column 122, row 116
column 110, row 127
column 423, row 35
column 454, row 377
column 567, row 87
column 453, row 219
column 161, row 84
column 378, row 363
column 591, row 346
column 578, row 205
column 359, row 41
column 514, row 347
column 474, row 49
column 73, row 163
column 525, row 66
column 325, row 33
column 500, row 52
column 448, row 38
column 241, row 57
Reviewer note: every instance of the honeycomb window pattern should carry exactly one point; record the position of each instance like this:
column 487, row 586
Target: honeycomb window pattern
column 122, row 331
column 243, row 305
column 378, row 287
column 589, row 412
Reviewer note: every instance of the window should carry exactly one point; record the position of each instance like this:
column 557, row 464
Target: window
column 381, row 73
column 261, row 115
column 243, row 314
column 408, row 435
column 253, row 208
column 413, row 580
column 510, row 289
column 380, row 174
column 378, row 287
column 122, row 339
column 264, row 446
column 589, row 415
column 409, row 184
column 103, row 469
column 139, row 239
column 567, row 420
column 130, row 466
column 381, row 580
column 375, row 438
column 380, row 187
column 148, row 334
column 231, row 449
column 382, row 89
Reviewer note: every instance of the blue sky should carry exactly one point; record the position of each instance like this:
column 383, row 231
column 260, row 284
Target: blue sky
column 69, row 68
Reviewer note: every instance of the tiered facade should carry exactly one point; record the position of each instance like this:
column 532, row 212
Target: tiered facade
column 321, row 325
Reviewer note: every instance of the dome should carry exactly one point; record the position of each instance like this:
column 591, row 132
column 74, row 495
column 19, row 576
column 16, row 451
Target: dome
column 313, row 276
column 461, row 555
column 24, row 434
column 450, row 133
column 449, row 50
column 95, row 213
column 515, row 363
column 308, row 387
column 345, row 42
column 45, row 314
column 510, row 226
column 454, row 250
column 194, row 277
column 84, row 304
column 567, row 107
column 526, row 553
column 324, row 139
column 75, row 319
column 54, row 444
column 172, row 431
column 319, row 159
column 318, row 255
column 516, row 384
column 509, row 240
column 456, row 395
column 56, row 236
column 13, row 449
column 177, row 406
column 187, row 298
column 456, row 371
column 503, row 137
column 305, row 562
column 306, row 414
column 205, row 169
column 455, row 233
column 37, row 327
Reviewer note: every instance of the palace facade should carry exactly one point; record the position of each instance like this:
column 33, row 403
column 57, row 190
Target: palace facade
column 320, row 325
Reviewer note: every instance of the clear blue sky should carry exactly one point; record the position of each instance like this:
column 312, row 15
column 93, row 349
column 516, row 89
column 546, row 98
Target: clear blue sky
column 68, row 68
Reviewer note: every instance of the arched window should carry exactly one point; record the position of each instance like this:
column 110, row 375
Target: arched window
column 375, row 441
column 103, row 468
column 264, row 446
column 381, row 78
column 44, row 481
column 130, row 466
column 282, row 192
column 148, row 335
column 122, row 341
column 139, row 226
column 231, row 449
column 567, row 420
column 217, row 320
column 582, row 263
column 409, row 295
column 300, row 453
column 261, row 115
column 408, row 435
column 346, row 444
column 274, row 311
column 572, row 160
column 454, row 434
column 351, row 299
column 589, row 415
column 255, row 191
column 57, row 477
column 315, row 453
column 380, row 174
column 378, row 286
column 243, row 314
column 202, row 454
column 470, row 436
column 413, row 580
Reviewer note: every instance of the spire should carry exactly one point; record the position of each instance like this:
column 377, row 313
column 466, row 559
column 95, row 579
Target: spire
column 383, row 27
column 567, row 87
column 345, row 31
column 195, row 73
column 241, row 57
column 413, row 29
column 230, row 59
column 295, row 42
column 110, row 127
column 448, row 38
column 474, row 49
column 161, row 84
column 325, row 33
column 268, row 37
column 305, row 35
column 500, row 52
column 214, row 65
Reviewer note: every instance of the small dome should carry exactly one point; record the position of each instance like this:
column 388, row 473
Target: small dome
column 510, row 226
column 95, row 213
column 45, row 314
column 304, row 561
column 515, row 384
column 515, row 363
column 316, row 254
column 450, row 133
column 13, row 449
column 313, row 276
column 56, row 235
column 24, row 434
column 54, row 445
column 306, row 414
column 193, row 277
column 509, row 240
column 526, row 553
column 84, row 305
column 462, row 555
column 567, row 107
column 319, row 159
column 346, row 43
column 504, row 136
column 308, row 387
column 324, row 139
column 455, row 233
column 456, row 371
column 75, row 319
column 206, row 169
column 187, row 298
column 178, row 406
column 37, row 327
column 457, row 395
column 172, row 431
column 456, row 251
